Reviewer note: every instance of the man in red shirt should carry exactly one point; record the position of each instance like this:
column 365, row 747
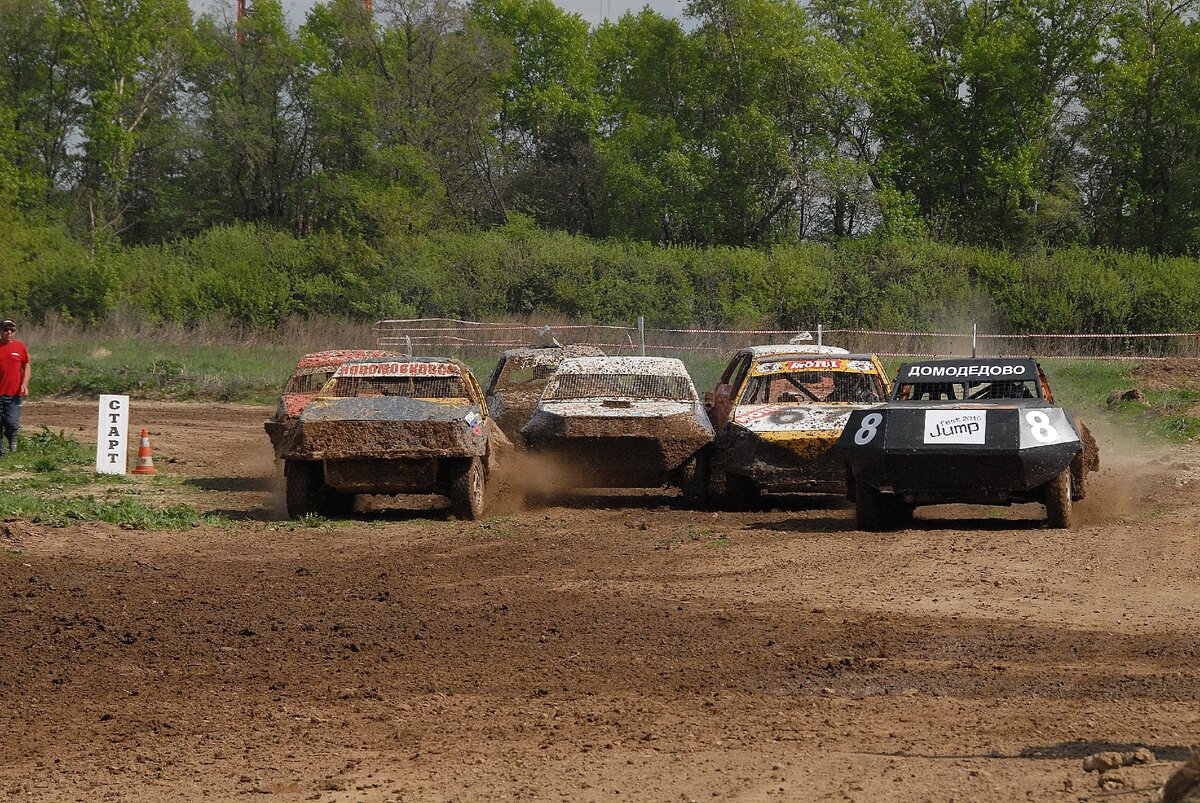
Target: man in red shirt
column 14, row 383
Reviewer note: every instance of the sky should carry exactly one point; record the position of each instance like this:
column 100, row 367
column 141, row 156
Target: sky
column 593, row 11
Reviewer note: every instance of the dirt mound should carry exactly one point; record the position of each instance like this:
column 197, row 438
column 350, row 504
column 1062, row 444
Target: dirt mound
column 1176, row 374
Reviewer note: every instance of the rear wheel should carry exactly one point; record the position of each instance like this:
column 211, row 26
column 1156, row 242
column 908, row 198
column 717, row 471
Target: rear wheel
column 1057, row 494
column 304, row 480
column 466, row 490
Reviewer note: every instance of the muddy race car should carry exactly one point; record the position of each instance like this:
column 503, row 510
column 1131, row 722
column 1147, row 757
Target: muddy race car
column 517, row 381
column 977, row 431
column 778, row 410
column 623, row 422
column 398, row 425
column 311, row 373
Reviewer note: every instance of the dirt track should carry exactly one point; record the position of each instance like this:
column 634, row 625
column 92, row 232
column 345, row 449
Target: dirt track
column 613, row 648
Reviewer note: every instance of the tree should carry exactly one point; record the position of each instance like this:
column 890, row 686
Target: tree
column 1143, row 130
column 131, row 55
column 547, row 113
column 253, row 145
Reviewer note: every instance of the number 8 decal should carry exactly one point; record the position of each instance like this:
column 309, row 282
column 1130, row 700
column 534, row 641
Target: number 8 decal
column 870, row 425
column 1040, row 427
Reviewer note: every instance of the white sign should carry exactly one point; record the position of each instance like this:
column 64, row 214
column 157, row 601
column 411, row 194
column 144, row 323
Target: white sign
column 955, row 426
column 112, row 435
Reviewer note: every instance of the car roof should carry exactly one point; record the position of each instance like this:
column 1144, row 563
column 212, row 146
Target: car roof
column 551, row 354
column 665, row 366
column 760, row 353
column 333, row 357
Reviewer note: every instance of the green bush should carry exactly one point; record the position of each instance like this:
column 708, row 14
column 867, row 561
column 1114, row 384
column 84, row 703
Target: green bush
column 256, row 276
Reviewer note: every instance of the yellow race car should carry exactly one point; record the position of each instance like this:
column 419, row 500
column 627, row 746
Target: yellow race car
column 777, row 411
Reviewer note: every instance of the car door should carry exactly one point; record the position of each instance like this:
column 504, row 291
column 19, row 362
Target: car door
column 728, row 389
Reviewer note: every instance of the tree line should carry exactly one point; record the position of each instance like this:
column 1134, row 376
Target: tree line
column 995, row 123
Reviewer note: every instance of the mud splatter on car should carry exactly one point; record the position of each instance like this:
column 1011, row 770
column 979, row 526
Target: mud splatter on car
column 623, row 422
column 393, row 426
column 517, row 381
column 974, row 431
column 778, row 410
column 311, row 373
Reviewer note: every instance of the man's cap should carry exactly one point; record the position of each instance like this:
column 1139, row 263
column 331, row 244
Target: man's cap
column 7, row 324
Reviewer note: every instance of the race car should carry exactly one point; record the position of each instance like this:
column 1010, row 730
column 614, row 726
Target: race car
column 778, row 410
column 398, row 425
column 978, row 431
column 520, row 375
column 622, row 422
column 309, row 375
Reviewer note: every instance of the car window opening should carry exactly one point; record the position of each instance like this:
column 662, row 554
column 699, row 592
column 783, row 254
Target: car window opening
column 814, row 386
column 967, row 391
column 629, row 386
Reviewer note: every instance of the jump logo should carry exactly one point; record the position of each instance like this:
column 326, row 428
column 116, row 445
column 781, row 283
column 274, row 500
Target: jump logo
column 955, row 426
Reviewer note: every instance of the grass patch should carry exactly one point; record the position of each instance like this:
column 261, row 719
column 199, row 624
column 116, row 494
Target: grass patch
column 61, row 512
column 497, row 527
column 162, row 370
column 48, row 452
column 1084, row 387
column 309, row 521
column 47, row 482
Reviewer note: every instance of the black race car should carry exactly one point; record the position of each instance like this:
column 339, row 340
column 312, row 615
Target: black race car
column 979, row 431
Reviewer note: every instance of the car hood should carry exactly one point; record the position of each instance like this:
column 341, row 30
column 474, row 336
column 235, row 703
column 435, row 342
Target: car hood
column 785, row 421
column 618, row 408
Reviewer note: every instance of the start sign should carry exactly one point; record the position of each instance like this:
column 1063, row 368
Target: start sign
column 112, row 435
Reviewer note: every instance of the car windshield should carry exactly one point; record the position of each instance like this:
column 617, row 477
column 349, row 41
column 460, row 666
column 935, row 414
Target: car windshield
column 523, row 373
column 419, row 387
column 309, row 383
column 625, row 386
column 813, row 386
column 966, row 391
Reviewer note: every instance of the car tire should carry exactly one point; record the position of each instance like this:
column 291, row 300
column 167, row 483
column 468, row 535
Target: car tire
column 872, row 511
column 693, row 481
column 467, row 490
column 740, row 492
column 1057, row 498
column 304, row 479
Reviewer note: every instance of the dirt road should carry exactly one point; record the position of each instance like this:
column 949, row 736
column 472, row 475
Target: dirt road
column 611, row 648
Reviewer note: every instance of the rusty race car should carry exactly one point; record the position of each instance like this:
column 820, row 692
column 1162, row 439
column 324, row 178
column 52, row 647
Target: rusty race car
column 975, row 431
column 777, row 411
column 398, row 425
column 311, row 373
column 623, row 422
column 517, row 381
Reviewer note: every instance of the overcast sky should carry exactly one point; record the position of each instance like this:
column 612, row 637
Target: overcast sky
column 591, row 10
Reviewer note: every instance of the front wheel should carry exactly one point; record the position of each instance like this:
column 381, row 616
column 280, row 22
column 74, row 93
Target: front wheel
column 693, row 481
column 466, row 491
column 304, row 481
column 1058, row 500
column 870, row 508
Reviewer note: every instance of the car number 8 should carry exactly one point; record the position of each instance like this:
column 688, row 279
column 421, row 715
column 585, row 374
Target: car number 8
column 870, row 425
column 1039, row 424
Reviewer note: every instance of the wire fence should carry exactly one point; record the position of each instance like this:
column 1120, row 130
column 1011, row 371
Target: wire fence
column 450, row 336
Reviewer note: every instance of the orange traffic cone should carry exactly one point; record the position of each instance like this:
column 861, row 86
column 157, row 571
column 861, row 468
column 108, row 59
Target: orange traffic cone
column 145, row 459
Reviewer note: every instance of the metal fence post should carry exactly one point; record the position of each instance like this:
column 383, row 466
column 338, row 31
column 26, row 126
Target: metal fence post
column 642, row 335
